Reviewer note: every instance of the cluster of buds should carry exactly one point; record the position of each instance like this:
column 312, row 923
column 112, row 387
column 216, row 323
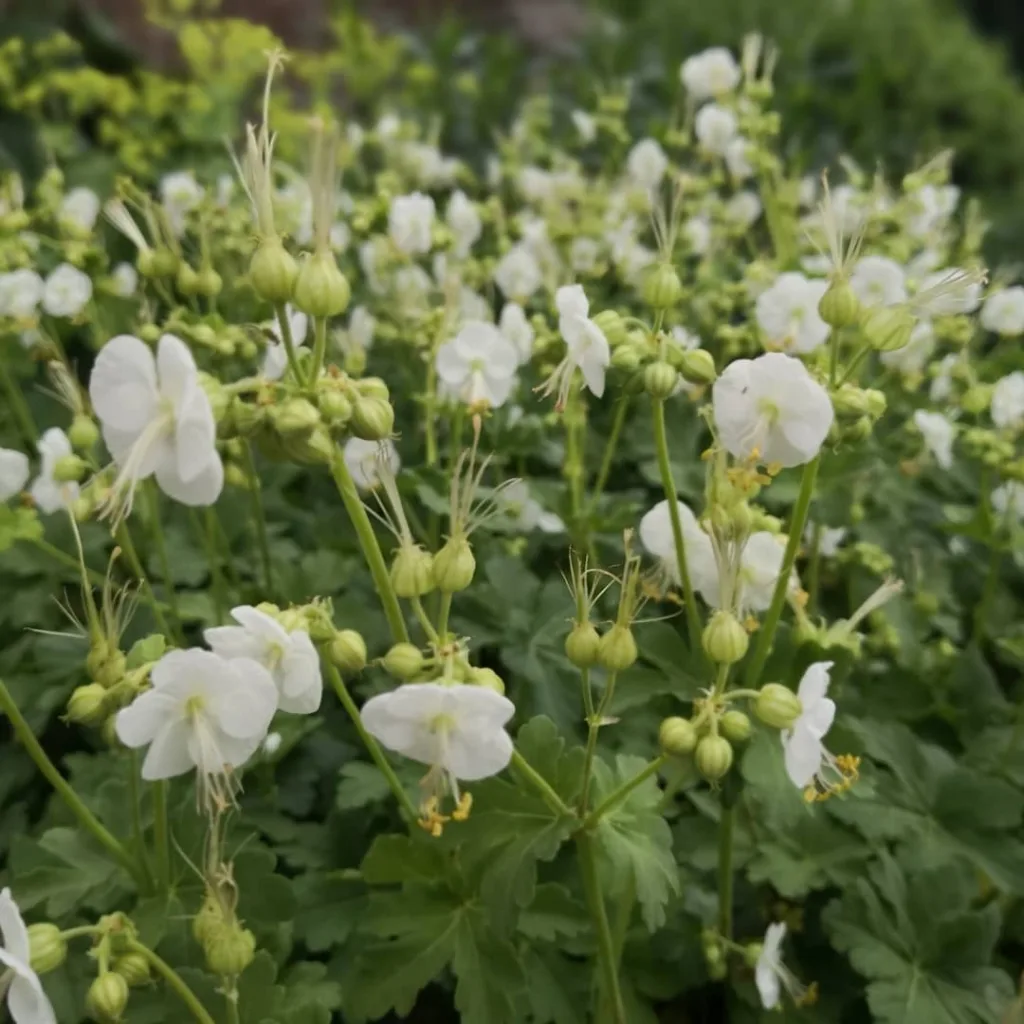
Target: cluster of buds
column 228, row 946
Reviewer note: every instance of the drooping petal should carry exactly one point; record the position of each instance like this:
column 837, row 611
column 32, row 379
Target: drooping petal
column 802, row 754
column 168, row 754
column 138, row 724
column 12, row 928
column 176, row 370
column 123, row 387
column 203, row 489
column 27, row 1002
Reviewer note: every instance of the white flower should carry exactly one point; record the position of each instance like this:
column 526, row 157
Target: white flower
column 587, row 346
column 361, row 327
column 771, row 409
column 942, row 382
column 715, row 127
column 1008, row 500
column 365, row 460
column 711, row 72
column 203, row 711
column 412, row 286
column 787, row 313
column 124, row 279
column 931, row 207
column 697, row 232
column 27, row 1003
column 516, row 501
column 517, row 329
column 275, row 358
column 586, row 125
column 771, row 974
column 288, row 655
column 1007, row 408
column 657, row 538
column 464, row 222
column 584, row 254
column 180, row 194
column 536, row 184
column 829, row 538
column 81, row 207
column 410, row 223
column 760, row 563
column 801, row 745
column 916, row 354
column 518, row 273
column 13, row 472
column 647, row 164
column 473, row 306
column 1003, row 313
column 938, row 434
column 743, row 209
column 737, row 158
column 66, row 292
column 878, row 281
column 20, row 292
column 156, row 418
column 48, row 494
column 948, row 292
column 478, row 365
column 340, row 236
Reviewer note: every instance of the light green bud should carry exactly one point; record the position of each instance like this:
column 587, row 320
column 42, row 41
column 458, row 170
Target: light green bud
column 145, row 263
column 724, row 639
column 335, row 407
column 273, row 271
column 887, row 328
column 412, row 572
column 209, row 283
column 295, row 416
column 229, row 949
column 373, row 387
column 581, row 645
column 777, row 706
column 235, row 476
column 373, row 419
column 149, row 333
column 87, row 704
column 616, row 650
column 876, row 403
column 612, row 326
column 487, row 678
column 677, row 736
column 662, row 288
column 454, row 566
column 403, row 661
column 735, row 726
column 165, row 263
column 713, row 757
column 83, row 433
column 186, row 280
column 976, row 399
column 660, row 379
column 850, row 401
column 69, row 469
column 321, row 289
column 348, row 651
column 47, row 948
column 209, row 916
column 134, row 968
column 247, row 416
column 698, row 366
column 107, row 998
column 627, row 357
column 839, row 306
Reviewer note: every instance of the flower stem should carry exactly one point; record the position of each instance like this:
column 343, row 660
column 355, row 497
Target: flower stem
column 138, row 831
column 371, row 549
column 443, row 614
column 669, row 487
column 614, row 799
column 798, row 521
column 217, row 579
column 725, row 836
column 286, row 340
column 609, row 450
column 551, row 798
column 47, row 769
column 124, row 539
column 814, row 569
column 372, row 746
column 18, row 407
column 153, row 508
column 63, row 558
column 256, row 494
column 988, row 593
column 171, row 976
column 319, row 348
column 593, row 728
column 161, row 835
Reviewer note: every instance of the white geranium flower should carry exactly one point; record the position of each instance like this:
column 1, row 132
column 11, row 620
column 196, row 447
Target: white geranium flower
column 361, row 327
column 771, row 409
column 948, row 292
column 830, row 538
column 584, row 254
column 288, row 655
column 80, row 207
column 473, row 306
column 586, row 125
column 275, row 358
column 411, row 286
column 204, row 712
column 340, row 236
column 942, row 382
column 916, row 354
column 180, row 194
column 516, row 502
column 938, row 433
column 517, row 329
column 536, row 184
column 49, row 494
column 13, row 472
column 366, row 459
column 658, row 540
column 759, row 567
column 1008, row 500
column 587, row 346
column 697, row 232
column 771, row 975
column 737, row 158
column 743, row 209
column 805, row 755
column 715, row 127
column 787, row 313
column 647, row 164
column 518, row 273
column 1007, row 408
column 712, row 72
column 20, row 292
column 464, row 222
column 411, row 222
column 1003, row 313
column 67, row 291
column 124, row 279
column 878, row 281
column 156, row 419
column 932, row 206
column 478, row 365
column 27, row 1003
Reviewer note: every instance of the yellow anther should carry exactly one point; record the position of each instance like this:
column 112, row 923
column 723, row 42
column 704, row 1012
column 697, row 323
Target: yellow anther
column 800, row 598
column 431, row 820
column 465, row 804
column 773, row 468
column 751, row 624
column 810, row 997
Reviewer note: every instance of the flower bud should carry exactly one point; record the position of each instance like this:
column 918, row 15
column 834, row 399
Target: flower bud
column 850, row 401
column 777, row 706
column 348, row 651
column 662, row 288
column 272, row 271
column 403, row 661
column 246, row 416
column 145, row 263
column 229, row 949
column 887, row 328
column 724, row 639
column 69, row 469
column 295, row 416
column 149, row 333
column 616, row 650
column 839, row 306
column 373, row 387
column 412, row 571
column 209, row 915
column 321, row 289
column 209, row 283
column 697, row 366
column 109, row 671
column 677, row 736
column 87, row 704
column 454, row 566
column 581, row 645
column 186, row 280
column 107, row 998
column 612, row 326
column 165, row 263
column 372, row 419
column 627, row 357
column 876, row 403
column 83, row 433
column 335, row 407
column 488, row 678
column 860, row 430
column 47, row 948
column 752, row 953
column 235, row 476
column 660, row 379
column 134, row 968
column 976, row 399
column 735, row 726
column 713, row 757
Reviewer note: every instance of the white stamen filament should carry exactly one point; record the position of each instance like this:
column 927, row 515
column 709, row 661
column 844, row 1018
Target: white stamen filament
column 118, row 505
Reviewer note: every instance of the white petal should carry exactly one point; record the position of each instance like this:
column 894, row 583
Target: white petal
column 49, row 496
column 245, row 700
column 176, row 667
column 176, row 369
column 814, row 683
column 168, row 754
column 571, row 301
column 479, row 704
column 802, row 750
column 275, row 362
column 233, row 751
column 735, row 416
column 234, row 642
column 123, row 387
column 260, row 624
column 195, row 432
column 12, row 928
column 478, row 753
column 13, row 472
column 303, row 686
column 27, row 1002
column 451, row 364
column 52, row 445
column 137, row 724
column 769, row 988
column 203, row 489
column 818, row 718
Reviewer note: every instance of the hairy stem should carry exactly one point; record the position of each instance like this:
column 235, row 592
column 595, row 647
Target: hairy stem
column 610, row 993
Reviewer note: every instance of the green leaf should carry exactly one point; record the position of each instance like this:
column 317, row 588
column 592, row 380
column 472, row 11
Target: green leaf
column 553, row 912
column 392, row 860
column 559, row 988
column 328, row 912
column 18, row 523
column 360, row 784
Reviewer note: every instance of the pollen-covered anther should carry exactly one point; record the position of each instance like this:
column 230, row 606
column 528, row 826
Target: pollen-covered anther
column 801, row 597
column 463, row 807
column 837, row 776
column 809, row 997
column 773, row 468
column 751, row 624
column 431, row 820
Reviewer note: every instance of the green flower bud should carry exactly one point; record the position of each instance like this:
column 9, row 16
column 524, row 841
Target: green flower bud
column 488, row 678
column 752, row 953
column 735, row 726
column 698, row 366
column 627, row 357
column 235, row 476
column 273, row 271
column 246, row 416
column 876, row 403
column 660, row 379
column 83, row 433
column 348, row 651
column 111, row 670
column 295, row 416
column 208, row 283
column 713, row 757
column 47, row 949
column 145, row 263
column 373, row 387
column 454, row 566
column 209, row 915
column 150, row 333
column 165, row 263
column 335, row 407
column 724, row 639
column 612, row 326
column 373, row 419
column 187, row 280
column 850, row 401
column 134, row 968
column 777, row 706
column 87, row 704
column 321, row 288
column 887, row 328
column 839, row 306
column 616, row 650
column 229, row 949
column 858, row 431
column 677, row 736
column 662, row 288
column 412, row 572
column 581, row 645
column 69, row 469
column 403, row 661
column 107, row 998
column 976, row 399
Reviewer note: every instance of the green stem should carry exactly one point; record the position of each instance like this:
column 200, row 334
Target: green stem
column 138, row 832
column 725, row 877
column 372, row 746
column 424, row 620
column 429, row 408
column 286, row 340
column 319, row 347
column 609, row 450
column 153, row 509
column 766, row 634
column 85, row 817
column 54, row 552
column 814, row 569
column 443, row 614
column 620, row 926
column 80, row 932
column 669, row 487
column 256, row 494
column 124, row 539
column 988, row 594
column 18, row 406
column 232, row 1004
column 610, row 989
column 168, row 973
column 371, row 549
column 614, row 799
column 161, row 834
column 551, row 798
column 593, row 728
column 207, row 531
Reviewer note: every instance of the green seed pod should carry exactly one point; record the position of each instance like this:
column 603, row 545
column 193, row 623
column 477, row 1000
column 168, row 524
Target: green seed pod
column 107, row 998
column 69, row 469
column 335, row 407
column 83, row 433
column 229, row 949
column 839, row 306
column 145, row 263
column 612, row 326
column 698, row 366
column 454, row 566
column 373, row 419
column 47, row 948
column 87, row 704
column 677, row 736
column 662, row 288
column 735, row 726
column 209, row 283
column 581, row 645
column 186, row 280
column 876, row 403
column 777, row 706
column 713, row 757
column 616, row 650
column 724, row 639
column 403, row 661
column 488, row 678
column 627, row 357
column 373, row 387
column 295, row 416
column 210, row 914
column 850, row 401
column 273, row 271
column 134, row 968
column 348, row 651
column 321, row 289
column 165, row 263
column 412, row 572
column 887, row 328
column 660, row 379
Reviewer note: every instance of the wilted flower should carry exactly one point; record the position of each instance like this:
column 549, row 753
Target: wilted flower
column 27, row 1003
column 67, row 291
column 478, row 365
